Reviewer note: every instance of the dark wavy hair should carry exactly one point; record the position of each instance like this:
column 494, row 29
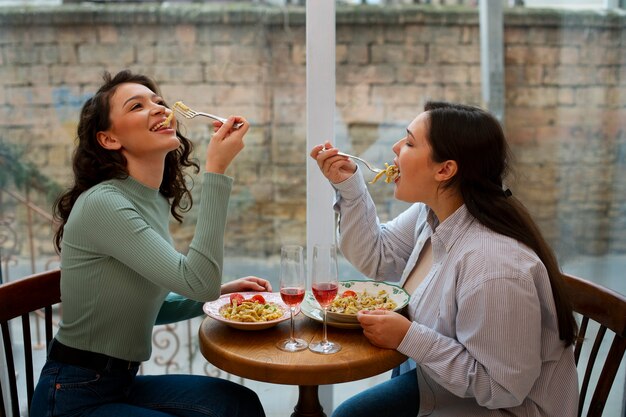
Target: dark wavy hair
column 475, row 140
column 92, row 164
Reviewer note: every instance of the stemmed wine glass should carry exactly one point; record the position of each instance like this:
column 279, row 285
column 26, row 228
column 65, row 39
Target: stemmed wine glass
column 292, row 287
column 324, row 286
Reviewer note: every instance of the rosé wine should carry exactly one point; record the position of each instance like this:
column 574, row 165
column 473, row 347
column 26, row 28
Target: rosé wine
column 292, row 296
column 325, row 292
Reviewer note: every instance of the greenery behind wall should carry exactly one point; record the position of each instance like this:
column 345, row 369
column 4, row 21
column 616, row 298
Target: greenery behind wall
column 17, row 172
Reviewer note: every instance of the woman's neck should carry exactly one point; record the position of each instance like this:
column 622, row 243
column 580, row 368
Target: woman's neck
column 446, row 204
column 149, row 174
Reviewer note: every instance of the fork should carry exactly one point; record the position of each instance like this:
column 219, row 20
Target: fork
column 188, row 113
column 367, row 164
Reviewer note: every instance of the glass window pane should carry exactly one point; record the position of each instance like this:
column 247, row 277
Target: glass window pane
column 564, row 114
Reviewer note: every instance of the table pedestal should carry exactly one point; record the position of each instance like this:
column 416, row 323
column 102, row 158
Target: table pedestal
column 308, row 402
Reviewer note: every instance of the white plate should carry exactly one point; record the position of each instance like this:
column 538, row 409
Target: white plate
column 312, row 310
column 396, row 293
column 212, row 309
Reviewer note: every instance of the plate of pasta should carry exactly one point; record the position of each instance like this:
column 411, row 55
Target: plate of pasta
column 354, row 296
column 249, row 310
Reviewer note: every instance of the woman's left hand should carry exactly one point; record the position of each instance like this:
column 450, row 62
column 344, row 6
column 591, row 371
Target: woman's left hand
column 383, row 328
column 247, row 284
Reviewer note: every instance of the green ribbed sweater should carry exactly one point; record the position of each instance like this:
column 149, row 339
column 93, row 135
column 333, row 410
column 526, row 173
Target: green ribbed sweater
column 118, row 265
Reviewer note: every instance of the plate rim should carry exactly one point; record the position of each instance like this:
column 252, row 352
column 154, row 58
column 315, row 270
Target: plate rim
column 249, row 325
column 347, row 317
column 332, row 323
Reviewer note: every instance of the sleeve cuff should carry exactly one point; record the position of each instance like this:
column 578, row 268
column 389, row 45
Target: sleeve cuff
column 352, row 188
column 417, row 342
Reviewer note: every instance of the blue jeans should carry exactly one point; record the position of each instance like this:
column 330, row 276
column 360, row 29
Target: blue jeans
column 398, row 397
column 66, row 390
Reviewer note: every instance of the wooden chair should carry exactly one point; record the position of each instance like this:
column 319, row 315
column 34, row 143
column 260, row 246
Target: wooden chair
column 19, row 299
column 608, row 309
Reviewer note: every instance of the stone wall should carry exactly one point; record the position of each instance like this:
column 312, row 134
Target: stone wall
column 565, row 99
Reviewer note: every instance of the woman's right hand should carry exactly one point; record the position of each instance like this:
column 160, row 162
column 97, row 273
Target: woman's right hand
column 225, row 144
column 336, row 168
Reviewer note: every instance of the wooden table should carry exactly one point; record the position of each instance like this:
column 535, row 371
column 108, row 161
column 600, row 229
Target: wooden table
column 254, row 355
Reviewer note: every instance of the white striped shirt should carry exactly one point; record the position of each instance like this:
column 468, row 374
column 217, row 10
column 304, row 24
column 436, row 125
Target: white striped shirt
column 484, row 333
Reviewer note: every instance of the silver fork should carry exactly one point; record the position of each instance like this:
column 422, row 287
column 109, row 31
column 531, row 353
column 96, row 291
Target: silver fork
column 188, row 113
column 367, row 164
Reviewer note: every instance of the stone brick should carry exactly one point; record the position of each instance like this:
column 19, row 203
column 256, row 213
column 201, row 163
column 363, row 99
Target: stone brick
column 568, row 75
column 23, row 54
column 148, row 34
column 240, row 54
column 446, row 35
column 570, row 55
column 459, row 94
column 62, row 74
column 470, row 34
column 515, row 54
column 146, row 54
column 358, row 54
column 186, row 33
column 107, row 34
column 191, row 73
column 378, row 74
column 566, row 96
column 298, row 54
column 395, row 94
column 418, row 34
column 121, row 55
column 533, row 96
column 353, row 95
column 183, row 53
column 25, row 96
column 67, row 54
column 444, row 54
column 592, row 96
column 232, row 72
column 341, row 53
column 75, row 34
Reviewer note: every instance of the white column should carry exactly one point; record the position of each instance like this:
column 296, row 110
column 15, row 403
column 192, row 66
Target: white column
column 320, row 126
column 320, row 116
column 492, row 56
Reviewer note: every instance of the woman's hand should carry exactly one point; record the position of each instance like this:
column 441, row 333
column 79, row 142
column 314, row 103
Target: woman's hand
column 335, row 167
column 384, row 328
column 247, row 284
column 225, row 144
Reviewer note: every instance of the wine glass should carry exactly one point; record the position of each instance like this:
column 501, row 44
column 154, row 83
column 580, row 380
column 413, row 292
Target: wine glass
column 292, row 287
column 324, row 286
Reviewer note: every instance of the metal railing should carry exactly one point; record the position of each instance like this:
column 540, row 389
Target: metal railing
column 26, row 248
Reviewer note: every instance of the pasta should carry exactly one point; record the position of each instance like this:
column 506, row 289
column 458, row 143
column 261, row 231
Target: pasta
column 164, row 123
column 181, row 105
column 168, row 120
column 391, row 171
column 362, row 301
column 250, row 311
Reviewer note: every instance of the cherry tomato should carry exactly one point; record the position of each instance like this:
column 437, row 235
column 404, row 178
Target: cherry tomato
column 348, row 293
column 236, row 298
column 258, row 298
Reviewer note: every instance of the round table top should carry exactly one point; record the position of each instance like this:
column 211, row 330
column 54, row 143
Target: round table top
column 254, row 355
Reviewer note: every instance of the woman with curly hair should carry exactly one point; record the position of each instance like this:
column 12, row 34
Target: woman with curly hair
column 120, row 274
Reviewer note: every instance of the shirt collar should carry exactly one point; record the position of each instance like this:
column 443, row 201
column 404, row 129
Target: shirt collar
column 446, row 234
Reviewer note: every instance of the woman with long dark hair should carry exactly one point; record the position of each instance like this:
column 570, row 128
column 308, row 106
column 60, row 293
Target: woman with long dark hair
column 489, row 329
column 120, row 273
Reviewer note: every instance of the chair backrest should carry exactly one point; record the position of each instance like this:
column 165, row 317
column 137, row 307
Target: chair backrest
column 608, row 309
column 18, row 299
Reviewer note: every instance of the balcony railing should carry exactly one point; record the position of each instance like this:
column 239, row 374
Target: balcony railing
column 26, row 247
